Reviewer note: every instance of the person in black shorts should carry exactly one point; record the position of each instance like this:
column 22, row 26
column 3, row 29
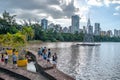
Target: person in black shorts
column 48, row 55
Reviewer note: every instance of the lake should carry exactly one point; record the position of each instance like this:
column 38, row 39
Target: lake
column 86, row 62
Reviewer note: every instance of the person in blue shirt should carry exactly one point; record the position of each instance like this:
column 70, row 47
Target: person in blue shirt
column 14, row 59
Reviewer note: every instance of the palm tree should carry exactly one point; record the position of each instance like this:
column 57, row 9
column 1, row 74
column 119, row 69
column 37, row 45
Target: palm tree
column 19, row 40
column 13, row 40
column 28, row 31
column 7, row 40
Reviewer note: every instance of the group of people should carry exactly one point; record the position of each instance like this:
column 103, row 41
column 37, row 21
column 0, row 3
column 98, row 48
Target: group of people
column 44, row 53
column 5, row 58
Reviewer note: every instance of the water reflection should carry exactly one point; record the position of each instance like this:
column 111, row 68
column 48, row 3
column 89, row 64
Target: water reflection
column 88, row 63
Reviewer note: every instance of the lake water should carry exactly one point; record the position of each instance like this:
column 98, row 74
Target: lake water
column 87, row 62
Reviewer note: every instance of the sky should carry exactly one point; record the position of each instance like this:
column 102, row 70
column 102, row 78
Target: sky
column 105, row 12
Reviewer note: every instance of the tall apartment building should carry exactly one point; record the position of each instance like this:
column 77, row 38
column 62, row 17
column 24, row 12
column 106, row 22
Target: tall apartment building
column 75, row 23
column 97, row 29
column 116, row 33
column 44, row 24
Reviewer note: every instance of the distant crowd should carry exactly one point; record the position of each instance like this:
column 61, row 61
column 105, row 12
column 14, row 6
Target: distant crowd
column 44, row 53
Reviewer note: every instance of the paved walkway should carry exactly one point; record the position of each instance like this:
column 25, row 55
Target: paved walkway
column 28, row 74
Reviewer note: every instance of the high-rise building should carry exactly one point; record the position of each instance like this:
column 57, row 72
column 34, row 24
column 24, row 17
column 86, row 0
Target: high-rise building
column 84, row 30
column 75, row 23
column 89, row 27
column 103, row 33
column 116, row 33
column 97, row 29
column 119, row 33
column 44, row 24
column 109, row 33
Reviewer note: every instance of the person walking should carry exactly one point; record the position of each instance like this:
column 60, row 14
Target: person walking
column 14, row 59
column 48, row 55
column 6, row 58
column 54, row 59
column 44, row 53
column 39, row 53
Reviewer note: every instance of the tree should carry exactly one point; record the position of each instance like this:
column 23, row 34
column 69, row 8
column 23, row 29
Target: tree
column 17, row 40
column 8, row 23
column 8, row 18
column 28, row 31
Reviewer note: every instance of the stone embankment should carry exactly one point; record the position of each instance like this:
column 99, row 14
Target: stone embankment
column 47, row 69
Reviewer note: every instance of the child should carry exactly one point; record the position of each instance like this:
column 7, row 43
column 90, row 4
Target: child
column 2, row 58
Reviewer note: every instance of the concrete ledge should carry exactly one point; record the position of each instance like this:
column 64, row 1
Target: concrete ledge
column 58, row 74
column 51, row 73
column 39, row 68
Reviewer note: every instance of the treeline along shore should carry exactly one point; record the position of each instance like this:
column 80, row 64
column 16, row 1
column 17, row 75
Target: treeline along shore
column 34, row 31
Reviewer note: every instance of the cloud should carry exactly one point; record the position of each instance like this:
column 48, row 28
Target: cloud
column 95, row 3
column 117, row 8
column 116, row 14
column 108, row 2
column 56, row 7
column 63, row 22
column 116, row 1
column 53, row 10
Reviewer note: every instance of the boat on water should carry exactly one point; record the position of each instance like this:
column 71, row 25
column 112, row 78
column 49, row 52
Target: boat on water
column 89, row 44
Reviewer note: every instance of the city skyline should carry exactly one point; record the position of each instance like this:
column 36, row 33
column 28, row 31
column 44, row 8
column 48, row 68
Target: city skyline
column 105, row 12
